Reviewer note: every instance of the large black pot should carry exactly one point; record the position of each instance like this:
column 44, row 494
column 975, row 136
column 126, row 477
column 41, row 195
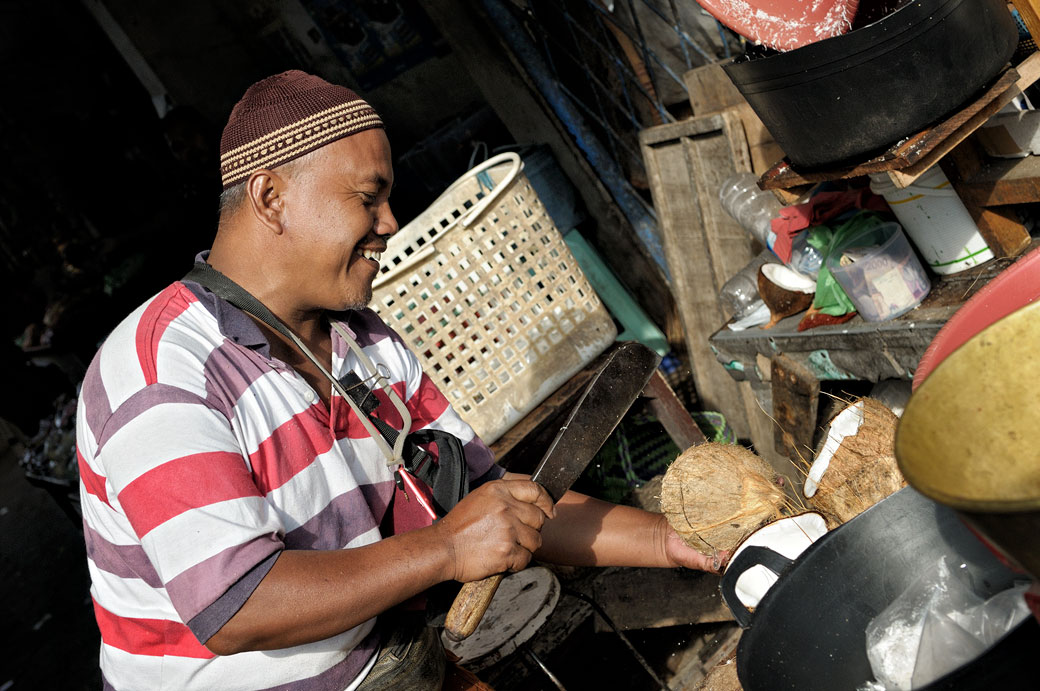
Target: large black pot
column 809, row 631
column 859, row 93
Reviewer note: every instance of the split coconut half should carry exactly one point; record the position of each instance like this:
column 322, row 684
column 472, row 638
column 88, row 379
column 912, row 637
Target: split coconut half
column 785, row 291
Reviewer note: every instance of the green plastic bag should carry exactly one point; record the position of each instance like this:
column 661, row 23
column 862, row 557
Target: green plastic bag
column 831, row 298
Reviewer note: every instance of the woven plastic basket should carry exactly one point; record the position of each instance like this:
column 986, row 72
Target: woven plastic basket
column 483, row 289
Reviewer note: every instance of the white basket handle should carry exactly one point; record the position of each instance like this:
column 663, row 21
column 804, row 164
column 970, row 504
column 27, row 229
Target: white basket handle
column 466, row 219
column 484, row 203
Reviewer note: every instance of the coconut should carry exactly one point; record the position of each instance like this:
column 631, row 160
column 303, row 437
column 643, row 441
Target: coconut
column 785, row 291
column 716, row 494
column 856, row 466
column 722, row 678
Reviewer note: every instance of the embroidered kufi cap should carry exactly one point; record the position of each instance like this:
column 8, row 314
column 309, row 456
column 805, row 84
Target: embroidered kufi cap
column 284, row 117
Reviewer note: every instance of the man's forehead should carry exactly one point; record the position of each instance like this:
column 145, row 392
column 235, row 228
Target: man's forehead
column 366, row 156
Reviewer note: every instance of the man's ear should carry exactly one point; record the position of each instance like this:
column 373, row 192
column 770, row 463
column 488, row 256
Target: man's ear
column 266, row 192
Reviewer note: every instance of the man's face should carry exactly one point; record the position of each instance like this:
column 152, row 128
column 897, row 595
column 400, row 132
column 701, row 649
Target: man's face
column 337, row 219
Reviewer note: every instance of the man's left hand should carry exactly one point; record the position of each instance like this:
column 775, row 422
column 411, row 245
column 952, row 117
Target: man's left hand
column 681, row 554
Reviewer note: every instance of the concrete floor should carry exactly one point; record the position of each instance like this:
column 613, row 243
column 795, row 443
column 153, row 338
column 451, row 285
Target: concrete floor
column 51, row 639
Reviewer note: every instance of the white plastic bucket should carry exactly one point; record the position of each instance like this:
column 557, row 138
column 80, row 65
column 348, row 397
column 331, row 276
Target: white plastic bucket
column 936, row 220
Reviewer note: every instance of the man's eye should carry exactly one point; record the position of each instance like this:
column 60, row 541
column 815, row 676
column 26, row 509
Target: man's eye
column 367, row 199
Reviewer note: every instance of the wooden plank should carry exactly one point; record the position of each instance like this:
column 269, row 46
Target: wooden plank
column 793, row 195
column 655, row 598
column 764, row 150
column 1030, row 12
column 999, row 182
column 710, row 89
column 715, row 159
column 691, row 127
column 686, row 163
column 949, row 140
column 1001, row 228
column 695, row 673
column 675, row 419
column 796, row 393
column 758, row 405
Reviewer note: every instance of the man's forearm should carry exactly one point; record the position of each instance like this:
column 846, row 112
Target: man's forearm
column 312, row 595
column 308, row 596
column 591, row 532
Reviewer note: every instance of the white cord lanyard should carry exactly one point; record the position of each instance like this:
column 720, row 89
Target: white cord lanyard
column 397, row 456
column 394, row 456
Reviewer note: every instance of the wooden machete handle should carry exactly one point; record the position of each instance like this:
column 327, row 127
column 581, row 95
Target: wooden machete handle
column 469, row 606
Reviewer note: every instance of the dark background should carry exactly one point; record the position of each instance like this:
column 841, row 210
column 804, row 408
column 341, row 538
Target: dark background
column 103, row 202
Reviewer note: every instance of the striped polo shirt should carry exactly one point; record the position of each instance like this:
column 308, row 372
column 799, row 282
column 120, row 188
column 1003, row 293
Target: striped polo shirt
column 201, row 458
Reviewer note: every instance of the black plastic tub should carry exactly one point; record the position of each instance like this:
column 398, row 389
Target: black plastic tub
column 857, row 94
column 809, row 631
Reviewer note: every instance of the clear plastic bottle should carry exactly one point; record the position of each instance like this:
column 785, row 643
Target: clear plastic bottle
column 805, row 258
column 751, row 207
column 754, row 209
column 739, row 294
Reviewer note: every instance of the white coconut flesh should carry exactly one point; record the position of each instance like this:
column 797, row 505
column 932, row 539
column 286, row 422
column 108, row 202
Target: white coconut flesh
column 847, row 424
column 789, row 279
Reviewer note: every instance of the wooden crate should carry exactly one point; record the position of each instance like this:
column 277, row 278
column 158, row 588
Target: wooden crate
column 712, row 91
column 686, row 163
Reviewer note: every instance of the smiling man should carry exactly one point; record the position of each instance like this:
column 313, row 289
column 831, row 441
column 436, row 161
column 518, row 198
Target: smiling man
column 244, row 526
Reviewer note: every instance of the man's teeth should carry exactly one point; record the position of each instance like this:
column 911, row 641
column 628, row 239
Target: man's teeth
column 370, row 254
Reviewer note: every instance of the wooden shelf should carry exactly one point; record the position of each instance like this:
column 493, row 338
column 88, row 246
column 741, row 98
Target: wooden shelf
column 1003, row 181
column 858, row 349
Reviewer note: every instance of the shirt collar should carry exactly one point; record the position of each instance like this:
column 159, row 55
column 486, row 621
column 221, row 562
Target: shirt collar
column 233, row 323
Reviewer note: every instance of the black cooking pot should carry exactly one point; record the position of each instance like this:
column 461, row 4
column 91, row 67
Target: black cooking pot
column 859, row 93
column 809, row 631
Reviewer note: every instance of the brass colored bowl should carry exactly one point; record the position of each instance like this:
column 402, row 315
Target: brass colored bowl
column 970, row 435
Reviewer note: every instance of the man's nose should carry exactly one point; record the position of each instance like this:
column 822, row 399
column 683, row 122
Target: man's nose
column 387, row 224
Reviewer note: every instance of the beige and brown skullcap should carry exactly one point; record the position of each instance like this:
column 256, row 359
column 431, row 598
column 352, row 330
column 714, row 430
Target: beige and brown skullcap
column 284, row 117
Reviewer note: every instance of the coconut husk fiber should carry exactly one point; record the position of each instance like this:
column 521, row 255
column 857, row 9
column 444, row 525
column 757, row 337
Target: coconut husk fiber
column 722, row 678
column 716, row 494
column 863, row 470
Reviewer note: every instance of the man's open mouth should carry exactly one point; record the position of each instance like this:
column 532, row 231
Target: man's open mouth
column 370, row 254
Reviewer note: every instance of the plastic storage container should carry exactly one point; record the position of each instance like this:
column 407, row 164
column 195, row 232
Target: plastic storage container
column 936, row 220
column 880, row 272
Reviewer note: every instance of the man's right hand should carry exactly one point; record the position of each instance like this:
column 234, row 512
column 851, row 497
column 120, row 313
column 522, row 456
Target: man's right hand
column 495, row 528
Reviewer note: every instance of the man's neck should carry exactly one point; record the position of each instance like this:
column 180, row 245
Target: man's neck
column 251, row 271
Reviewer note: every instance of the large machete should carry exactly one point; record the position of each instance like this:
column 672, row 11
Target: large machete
column 604, row 402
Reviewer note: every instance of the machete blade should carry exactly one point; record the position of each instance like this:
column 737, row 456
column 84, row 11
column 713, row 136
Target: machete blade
column 604, row 402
